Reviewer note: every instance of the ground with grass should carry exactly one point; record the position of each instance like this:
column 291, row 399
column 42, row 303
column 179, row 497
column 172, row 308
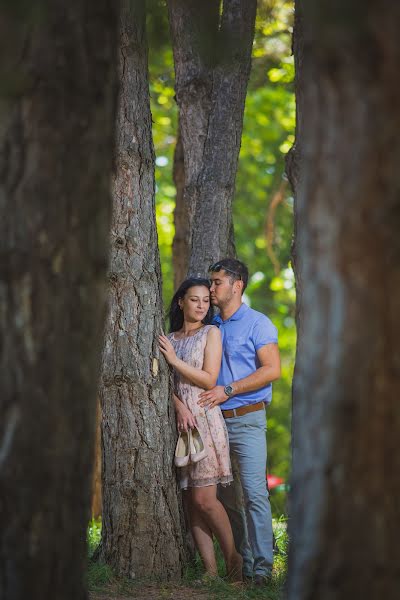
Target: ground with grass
column 104, row 585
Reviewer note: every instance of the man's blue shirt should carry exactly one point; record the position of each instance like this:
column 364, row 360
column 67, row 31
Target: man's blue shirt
column 242, row 335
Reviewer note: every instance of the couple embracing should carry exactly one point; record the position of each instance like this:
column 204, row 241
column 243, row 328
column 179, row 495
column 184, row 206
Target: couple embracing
column 223, row 368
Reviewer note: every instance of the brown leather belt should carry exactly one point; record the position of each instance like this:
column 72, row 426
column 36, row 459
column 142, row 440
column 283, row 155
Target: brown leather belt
column 242, row 410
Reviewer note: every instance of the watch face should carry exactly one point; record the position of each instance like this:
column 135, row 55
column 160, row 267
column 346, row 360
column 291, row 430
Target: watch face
column 228, row 389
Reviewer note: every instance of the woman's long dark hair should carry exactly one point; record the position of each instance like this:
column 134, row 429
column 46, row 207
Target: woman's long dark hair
column 175, row 314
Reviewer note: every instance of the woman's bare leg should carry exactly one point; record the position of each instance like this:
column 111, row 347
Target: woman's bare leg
column 206, row 506
column 203, row 539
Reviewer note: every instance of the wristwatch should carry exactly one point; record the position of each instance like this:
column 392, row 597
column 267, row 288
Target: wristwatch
column 228, row 390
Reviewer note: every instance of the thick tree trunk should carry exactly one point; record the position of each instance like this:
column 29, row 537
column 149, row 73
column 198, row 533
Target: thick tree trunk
column 142, row 531
column 344, row 511
column 58, row 112
column 212, row 55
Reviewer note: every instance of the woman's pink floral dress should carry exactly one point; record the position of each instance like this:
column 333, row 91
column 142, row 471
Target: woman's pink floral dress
column 216, row 467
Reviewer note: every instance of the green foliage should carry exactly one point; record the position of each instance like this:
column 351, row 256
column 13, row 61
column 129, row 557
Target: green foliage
column 93, row 535
column 165, row 123
column 268, row 133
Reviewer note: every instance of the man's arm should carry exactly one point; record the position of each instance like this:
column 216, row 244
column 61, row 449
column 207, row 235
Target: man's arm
column 268, row 371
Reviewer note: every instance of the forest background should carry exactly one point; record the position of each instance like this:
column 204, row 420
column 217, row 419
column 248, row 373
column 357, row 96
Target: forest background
column 56, row 167
column 263, row 202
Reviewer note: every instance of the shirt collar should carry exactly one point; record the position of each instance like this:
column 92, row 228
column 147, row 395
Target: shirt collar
column 236, row 315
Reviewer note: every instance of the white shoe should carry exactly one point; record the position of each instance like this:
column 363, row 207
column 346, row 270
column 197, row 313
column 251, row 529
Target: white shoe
column 197, row 449
column 182, row 452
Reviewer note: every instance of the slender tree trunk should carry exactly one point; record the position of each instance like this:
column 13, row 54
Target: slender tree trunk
column 142, row 531
column 180, row 246
column 96, row 481
column 212, row 55
column 56, row 145
column 295, row 166
column 345, row 516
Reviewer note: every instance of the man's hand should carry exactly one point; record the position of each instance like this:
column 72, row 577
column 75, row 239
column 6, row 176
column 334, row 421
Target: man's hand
column 213, row 397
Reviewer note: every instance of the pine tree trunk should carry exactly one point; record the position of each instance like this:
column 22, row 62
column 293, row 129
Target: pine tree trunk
column 345, row 514
column 212, row 55
column 56, row 146
column 96, row 477
column 295, row 166
column 142, row 531
column 180, row 246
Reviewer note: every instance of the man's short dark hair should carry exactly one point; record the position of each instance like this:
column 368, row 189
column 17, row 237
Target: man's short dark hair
column 236, row 270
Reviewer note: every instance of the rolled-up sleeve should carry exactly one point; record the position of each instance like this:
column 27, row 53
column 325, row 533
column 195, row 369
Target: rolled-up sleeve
column 264, row 332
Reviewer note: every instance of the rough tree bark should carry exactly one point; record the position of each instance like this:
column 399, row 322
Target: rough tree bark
column 97, row 502
column 180, row 248
column 294, row 167
column 212, row 55
column 142, row 529
column 56, row 146
column 345, row 516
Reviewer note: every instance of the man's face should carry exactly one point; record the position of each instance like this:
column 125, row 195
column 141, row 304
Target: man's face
column 221, row 288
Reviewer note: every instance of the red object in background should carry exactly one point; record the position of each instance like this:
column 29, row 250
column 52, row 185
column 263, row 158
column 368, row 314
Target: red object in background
column 274, row 481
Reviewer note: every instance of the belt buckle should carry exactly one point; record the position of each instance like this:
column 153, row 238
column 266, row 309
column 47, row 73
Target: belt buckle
column 234, row 412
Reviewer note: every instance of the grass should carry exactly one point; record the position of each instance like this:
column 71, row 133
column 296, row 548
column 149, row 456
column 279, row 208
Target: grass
column 102, row 578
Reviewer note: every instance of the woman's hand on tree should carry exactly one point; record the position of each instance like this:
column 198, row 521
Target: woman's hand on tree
column 167, row 349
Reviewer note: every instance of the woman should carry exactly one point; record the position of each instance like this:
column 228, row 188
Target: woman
column 194, row 349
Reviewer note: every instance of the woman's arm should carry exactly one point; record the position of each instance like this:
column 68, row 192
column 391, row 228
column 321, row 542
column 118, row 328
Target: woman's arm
column 206, row 377
column 185, row 420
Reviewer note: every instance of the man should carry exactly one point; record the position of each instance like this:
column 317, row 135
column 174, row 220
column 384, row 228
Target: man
column 250, row 362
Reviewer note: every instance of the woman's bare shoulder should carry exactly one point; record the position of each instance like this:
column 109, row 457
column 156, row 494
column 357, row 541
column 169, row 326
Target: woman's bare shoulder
column 213, row 332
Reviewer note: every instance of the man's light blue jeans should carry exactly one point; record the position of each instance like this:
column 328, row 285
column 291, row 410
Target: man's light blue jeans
column 246, row 499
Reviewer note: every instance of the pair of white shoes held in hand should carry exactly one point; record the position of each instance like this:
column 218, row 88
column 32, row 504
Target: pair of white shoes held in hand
column 189, row 448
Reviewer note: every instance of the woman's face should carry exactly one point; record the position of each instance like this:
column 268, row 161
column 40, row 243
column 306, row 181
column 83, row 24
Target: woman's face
column 195, row 303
